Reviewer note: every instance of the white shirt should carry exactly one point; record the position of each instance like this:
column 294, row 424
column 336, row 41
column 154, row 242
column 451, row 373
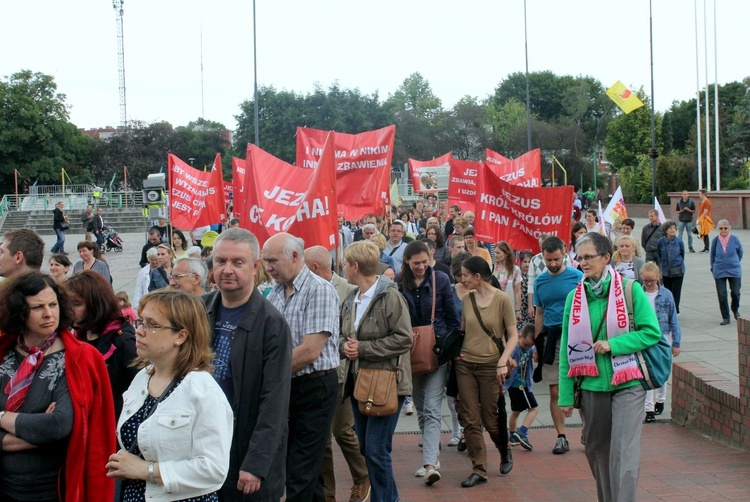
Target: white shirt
column 360, row 305
column 189, row 434
column 141, row 285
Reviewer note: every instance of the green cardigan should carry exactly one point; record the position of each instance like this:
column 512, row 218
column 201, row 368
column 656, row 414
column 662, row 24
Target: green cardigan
column 647, row 333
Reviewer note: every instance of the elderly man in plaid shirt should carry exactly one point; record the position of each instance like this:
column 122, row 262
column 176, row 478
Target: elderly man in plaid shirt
column 310, row 306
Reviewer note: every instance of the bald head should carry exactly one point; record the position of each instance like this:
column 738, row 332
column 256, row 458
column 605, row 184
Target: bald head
column 318, row 259
column 284, row 256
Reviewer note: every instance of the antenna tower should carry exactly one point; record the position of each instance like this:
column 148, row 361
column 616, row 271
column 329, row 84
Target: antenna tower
column 117, row 4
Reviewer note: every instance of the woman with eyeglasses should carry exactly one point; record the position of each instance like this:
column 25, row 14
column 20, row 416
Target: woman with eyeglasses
column 663, row 303
column 175, row 430
column 726, row 255
column 612, row 397
column 98, row 321
column 672, row 260
column 442, row 252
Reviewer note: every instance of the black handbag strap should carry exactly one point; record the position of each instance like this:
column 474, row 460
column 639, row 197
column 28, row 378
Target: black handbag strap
column 479, row 316
column 161, row 398
column 434, row 298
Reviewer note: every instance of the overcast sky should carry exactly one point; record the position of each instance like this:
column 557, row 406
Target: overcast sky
column 461, row 48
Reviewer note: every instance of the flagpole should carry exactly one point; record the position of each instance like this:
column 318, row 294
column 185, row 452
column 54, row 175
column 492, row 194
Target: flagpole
column 708, row 105
column 255, row 73
column 698, row 145
column 528, row 99
column 15, row 177
column 716, row 99
column 652, row 151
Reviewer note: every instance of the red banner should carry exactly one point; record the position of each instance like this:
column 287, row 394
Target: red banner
column 280, row 197
column 525, row 170
column 430, row 176
column 196, row 198
column 238, row 186
column 519, row 214
column 464, row 178
column 363, row 167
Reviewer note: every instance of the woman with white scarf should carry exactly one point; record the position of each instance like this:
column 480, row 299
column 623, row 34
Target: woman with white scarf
column 598, row 348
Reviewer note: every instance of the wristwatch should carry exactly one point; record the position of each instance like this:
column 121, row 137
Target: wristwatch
column 151, row 472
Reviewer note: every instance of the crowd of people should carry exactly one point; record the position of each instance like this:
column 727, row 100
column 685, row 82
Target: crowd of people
column 237, row 363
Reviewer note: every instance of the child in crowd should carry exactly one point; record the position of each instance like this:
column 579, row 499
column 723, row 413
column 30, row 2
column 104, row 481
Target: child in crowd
column 126, row 307
column 518, row 385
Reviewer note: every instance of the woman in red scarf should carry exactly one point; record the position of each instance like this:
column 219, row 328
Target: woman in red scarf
column 56, row 411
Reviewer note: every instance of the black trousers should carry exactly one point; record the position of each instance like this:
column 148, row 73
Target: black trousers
column 674, row 284
column 721, row 291
column 311, row 407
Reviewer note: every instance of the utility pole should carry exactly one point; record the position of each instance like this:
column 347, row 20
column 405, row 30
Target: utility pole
column 117, row 4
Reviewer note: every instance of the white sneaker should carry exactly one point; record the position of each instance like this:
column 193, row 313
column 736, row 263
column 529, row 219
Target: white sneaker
column 431, row 477
column 454, row 441
column 409, row 409
column 422, row 472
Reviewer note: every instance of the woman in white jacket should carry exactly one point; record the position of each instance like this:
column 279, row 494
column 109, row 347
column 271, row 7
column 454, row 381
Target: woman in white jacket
column 175, row 429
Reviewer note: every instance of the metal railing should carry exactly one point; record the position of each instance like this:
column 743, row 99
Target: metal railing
column 71, row 200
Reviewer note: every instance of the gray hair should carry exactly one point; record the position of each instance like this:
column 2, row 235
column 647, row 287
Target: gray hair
column 194, row 250
column 241, row 235
column 195, row 266
column 370, row 226
column 292, row 244
column 723, row 222
column 601, row 243
column 151, row 253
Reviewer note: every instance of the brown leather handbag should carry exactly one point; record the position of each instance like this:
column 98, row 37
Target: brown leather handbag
column 423, row 357
column 376, row 391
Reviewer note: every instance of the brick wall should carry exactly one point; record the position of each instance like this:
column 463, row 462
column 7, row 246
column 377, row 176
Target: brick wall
column 711, row 404
column 732, row 205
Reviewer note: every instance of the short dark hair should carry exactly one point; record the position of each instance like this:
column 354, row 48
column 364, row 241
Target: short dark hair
column 14, row 311
column 61, row 259
column 478, row 265
column 628, row 222
column 457, row 261
column 667, row 224
column 456, row 207
column 553, row 243
column 28, row 242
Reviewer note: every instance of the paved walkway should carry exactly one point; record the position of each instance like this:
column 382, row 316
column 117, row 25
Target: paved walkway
column 676, row 464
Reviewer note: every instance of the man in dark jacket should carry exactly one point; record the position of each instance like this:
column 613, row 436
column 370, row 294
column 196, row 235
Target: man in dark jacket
column 650, row 236
column 253, row 347
column 685, row 209
column 59, row 220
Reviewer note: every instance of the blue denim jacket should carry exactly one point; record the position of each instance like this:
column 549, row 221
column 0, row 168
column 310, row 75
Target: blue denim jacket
column 671, row 254
column 666, row 313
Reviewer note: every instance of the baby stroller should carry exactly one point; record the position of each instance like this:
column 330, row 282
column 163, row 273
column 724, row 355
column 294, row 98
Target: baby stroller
column 112, row 241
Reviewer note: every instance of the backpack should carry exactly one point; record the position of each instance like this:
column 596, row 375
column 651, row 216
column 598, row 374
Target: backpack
column 655, row 361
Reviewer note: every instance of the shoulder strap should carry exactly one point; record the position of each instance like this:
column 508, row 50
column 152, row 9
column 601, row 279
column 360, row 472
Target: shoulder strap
column 394, row 249
column 479, row 316
column 434, row 297
column 629, row 303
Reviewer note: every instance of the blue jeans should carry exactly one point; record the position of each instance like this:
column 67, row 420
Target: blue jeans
column 375, row 443
column 735, row 283
column 686, row 225
column 59, row 246
column 428, row 398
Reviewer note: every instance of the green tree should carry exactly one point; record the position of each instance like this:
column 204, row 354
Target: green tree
column 629, row 136
column 503, row 121
column 635, row 180
column 465, row 129
column 36, row 137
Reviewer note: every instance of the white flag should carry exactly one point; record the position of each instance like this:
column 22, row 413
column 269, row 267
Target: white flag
column 616, row 207
column 662, row 218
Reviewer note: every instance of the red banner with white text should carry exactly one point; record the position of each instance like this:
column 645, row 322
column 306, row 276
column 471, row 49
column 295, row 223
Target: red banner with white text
column 196, row 198
column 430, row 176
column 363, row 167
column 462, row 189
column 280, row 197
column 238, row 186
column 518, row 214
column 525, row 170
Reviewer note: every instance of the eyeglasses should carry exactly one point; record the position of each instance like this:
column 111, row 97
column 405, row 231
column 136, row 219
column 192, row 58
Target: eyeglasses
column 177, row 277
column 649, row 281
column 723, row 228
column 588, row 257
column 151, row 327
